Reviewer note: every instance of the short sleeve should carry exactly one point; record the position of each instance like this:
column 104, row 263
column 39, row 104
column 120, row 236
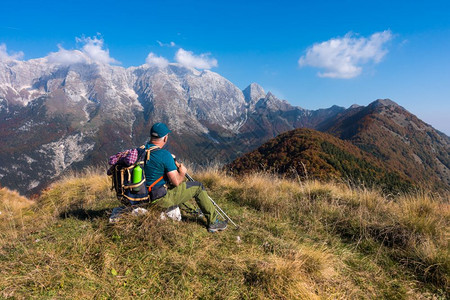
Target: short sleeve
column 169, row 162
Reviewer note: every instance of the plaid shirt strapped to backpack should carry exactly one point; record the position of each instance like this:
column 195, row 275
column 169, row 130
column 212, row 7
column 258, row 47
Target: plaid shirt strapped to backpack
column 127, row 157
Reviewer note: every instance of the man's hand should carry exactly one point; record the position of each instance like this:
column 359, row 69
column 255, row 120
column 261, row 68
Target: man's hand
column 181, row 169
column 177, row 163
column 177, row 177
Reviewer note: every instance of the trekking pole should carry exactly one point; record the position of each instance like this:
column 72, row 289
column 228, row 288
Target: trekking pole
column 219, row 210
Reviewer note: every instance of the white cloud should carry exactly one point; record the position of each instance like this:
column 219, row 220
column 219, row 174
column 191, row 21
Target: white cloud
column 188, row 59
column 4, row 56
column 91, row 51
column 157, row 61
column 93, row 48
column 171, row 44
column 67, row 57
column 343, row 57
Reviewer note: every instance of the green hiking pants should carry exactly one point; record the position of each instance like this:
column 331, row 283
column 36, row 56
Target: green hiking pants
column 180, row 195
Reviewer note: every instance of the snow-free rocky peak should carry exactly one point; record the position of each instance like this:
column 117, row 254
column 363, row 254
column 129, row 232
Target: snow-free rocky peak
column 253, row 93
column 271, row 102
column 383, row 102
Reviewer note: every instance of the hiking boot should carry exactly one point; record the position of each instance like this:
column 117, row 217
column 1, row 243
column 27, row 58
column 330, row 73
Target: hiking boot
column 173, row 213
column 139, row 211
column 116, row 214
column 114, row 220
column 217, row 226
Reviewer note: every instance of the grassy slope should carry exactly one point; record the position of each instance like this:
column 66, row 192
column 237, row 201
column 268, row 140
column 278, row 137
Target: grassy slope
column 299, row 240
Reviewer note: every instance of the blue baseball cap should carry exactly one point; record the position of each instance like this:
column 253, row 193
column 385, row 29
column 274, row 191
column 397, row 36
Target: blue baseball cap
column 159, row 130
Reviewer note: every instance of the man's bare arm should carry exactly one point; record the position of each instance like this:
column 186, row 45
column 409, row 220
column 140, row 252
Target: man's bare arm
column 177, row 176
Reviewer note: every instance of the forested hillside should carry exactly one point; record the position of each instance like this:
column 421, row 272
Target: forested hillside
column 311, row 154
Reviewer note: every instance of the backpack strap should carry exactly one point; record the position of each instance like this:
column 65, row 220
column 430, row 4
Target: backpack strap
column 147, row 159
column 150, row 150
column 153, row 184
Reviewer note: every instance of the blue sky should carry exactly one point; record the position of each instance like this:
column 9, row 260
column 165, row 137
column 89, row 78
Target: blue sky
column 352, row 51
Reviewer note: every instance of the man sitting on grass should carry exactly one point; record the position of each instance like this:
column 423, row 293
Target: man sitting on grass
column 165, row 180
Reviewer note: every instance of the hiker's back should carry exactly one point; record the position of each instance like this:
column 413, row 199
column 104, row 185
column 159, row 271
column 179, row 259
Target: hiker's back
column 160, row 163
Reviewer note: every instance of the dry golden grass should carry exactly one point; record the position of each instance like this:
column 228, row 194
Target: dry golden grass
column 412, row 229
column 299, row 240
column 75, row 190
column 13, row 213
column 13, row 201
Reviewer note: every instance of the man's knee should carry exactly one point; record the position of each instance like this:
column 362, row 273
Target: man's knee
column 190, row 184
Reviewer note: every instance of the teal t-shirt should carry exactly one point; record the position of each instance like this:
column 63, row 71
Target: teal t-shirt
column 161, row 162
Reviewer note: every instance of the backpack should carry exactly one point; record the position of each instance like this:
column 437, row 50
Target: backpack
column 125, row 167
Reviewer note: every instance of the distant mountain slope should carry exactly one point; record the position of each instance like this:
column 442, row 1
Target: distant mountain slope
column 397, row 137
column 314, row 154
column 56, row 117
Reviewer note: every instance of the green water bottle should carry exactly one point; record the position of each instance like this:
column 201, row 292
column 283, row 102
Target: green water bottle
column 137, row 177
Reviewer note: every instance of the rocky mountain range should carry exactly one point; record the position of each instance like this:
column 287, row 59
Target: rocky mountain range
column 57, row 117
